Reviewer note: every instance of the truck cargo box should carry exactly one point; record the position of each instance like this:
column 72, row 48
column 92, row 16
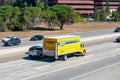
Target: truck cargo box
column 58, row 46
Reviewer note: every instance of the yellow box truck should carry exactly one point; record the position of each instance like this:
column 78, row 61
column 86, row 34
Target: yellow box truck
column 58, row 47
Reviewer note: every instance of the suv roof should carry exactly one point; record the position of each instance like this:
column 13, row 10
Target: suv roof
column 36, row 47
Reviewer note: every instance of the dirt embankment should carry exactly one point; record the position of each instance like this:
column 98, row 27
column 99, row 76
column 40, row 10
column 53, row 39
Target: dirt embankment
column 82, row 27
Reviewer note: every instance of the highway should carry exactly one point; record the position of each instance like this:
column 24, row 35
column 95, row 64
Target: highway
column 100, row 58
column 26, row 42
column 18, row 55
column 107, row 69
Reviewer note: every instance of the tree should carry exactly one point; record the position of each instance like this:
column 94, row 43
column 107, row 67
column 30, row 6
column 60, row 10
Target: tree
column 6, row 2
column 103, row 15
column 30, row 14
column 65, row 14
column 5, row 14
column 41, row 5
column 16, row 20
column 19, row 3
column 116, row 16
column 107, row 8
column 96, row 15
column 50, row 18
column 10, row 18
column 25, row 4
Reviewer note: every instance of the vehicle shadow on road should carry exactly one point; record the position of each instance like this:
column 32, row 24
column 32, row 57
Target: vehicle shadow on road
column 47, row 59
column 43, row 59
column 115, row 42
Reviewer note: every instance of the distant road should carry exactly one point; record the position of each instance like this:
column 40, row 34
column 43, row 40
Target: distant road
column 97, row 33
column 26, row 42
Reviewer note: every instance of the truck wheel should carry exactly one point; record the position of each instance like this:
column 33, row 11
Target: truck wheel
column 84, row 53
column 60, row 58
column 64, row 57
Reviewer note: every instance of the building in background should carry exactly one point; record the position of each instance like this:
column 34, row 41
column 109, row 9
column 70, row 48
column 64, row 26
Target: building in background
column 113, row 4
column 86, row 7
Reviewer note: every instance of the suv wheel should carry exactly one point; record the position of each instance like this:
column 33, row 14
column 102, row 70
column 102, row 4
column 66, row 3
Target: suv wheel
column 11, row 44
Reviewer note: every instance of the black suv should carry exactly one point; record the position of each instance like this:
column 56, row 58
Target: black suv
column 12, row 42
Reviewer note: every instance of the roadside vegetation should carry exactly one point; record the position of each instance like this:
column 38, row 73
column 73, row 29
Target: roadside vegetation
column 106, row 15
column 22, row 15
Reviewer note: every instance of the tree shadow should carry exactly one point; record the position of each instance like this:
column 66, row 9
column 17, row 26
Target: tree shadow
column 52, row 2
column 44, row 29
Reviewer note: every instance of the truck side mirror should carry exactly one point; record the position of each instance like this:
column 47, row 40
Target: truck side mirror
column 82, row 45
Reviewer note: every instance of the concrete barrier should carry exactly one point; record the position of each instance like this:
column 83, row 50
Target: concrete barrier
column 108, row 36
column 15, row 50
column 88, row 39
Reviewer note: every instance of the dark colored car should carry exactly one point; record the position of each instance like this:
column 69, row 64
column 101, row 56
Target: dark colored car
column 12, row 42
column 117, row 29
column 36, row 37
column 35, row 51
column 118, row 39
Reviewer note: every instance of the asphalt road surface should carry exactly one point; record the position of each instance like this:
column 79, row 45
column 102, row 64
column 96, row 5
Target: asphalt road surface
column 26, row 42
column 107, row 69
column 96, row 70
column 19, row 55
column 99, row 59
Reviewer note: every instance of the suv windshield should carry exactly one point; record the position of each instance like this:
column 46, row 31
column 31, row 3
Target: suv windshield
column 35, row 48
column 39, row 49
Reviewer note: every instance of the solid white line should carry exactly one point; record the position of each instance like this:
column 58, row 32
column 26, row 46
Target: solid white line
column 77, row 77
column 41, row 67
column 88, row 56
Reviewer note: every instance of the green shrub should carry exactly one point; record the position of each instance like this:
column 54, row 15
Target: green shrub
column 3, row 28
column 16, row 27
